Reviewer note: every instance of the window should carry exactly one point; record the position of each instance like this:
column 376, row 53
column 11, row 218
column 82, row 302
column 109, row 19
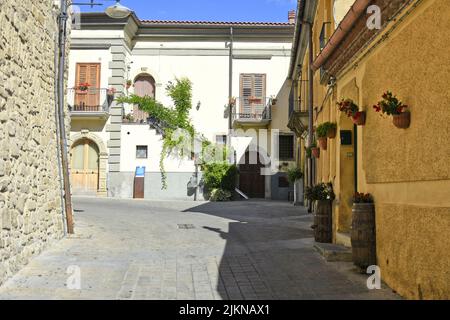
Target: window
column 286, row 145
column 283, row 182
column 221, row 139
column 141, row 152
column 253, row 93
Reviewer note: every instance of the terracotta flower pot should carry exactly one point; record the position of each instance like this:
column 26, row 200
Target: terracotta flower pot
column 331, row 134
column 315, row 152
column 323, row 143
column 360, row 118
column 402, row 120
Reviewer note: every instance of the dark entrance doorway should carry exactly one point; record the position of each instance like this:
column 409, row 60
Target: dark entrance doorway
column 251, row 181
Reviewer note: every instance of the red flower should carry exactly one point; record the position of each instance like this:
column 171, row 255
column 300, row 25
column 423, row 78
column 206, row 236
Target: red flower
column 377, row 108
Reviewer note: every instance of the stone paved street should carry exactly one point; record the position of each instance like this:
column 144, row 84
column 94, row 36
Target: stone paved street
column 129, row 249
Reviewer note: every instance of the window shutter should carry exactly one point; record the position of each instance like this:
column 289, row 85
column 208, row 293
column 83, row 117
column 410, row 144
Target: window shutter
column 88, row 73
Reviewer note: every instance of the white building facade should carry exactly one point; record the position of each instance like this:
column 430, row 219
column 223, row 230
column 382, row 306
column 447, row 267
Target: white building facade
column 110, row 140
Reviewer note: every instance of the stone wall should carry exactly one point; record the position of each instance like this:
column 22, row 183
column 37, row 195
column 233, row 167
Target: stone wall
column 30, row 203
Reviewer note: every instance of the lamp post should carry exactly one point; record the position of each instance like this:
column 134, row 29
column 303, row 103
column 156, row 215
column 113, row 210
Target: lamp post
column 116, row 11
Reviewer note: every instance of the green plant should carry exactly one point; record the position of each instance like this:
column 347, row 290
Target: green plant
column 219, row 175
column 322, row 130
column 362, row 198
column 321, row 191
column 294, row 174
column 349, row 107
column 220, row 195
column 390, row 105
column 308, row 150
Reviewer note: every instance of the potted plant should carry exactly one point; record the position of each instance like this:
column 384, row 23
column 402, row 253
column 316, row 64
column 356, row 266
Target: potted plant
column 128, row 84
column 363, row 230
column 351, row 109
column 128, row 118
column 110, row 94
column 274, row 100
column 295, row 175
column 323, row 195
column 390, row 105
column 84, row 86
column 315, row 151
column 321, row 133
column 332, row 130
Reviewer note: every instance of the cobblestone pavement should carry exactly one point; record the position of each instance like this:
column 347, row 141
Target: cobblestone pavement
column 127, row 249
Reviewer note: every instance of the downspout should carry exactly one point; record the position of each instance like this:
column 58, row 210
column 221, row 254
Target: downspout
column 356, row 10
column 230, row 83
column 58, row 148
column 310, row 107
column 62, row 128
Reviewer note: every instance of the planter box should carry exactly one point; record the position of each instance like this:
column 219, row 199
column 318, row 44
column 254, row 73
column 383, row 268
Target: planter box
column 360, row 118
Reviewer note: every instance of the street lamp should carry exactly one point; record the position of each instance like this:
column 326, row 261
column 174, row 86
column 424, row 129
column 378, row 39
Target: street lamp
column 116, row 11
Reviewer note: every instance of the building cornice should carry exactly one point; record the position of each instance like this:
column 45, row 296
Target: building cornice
column 189, row 30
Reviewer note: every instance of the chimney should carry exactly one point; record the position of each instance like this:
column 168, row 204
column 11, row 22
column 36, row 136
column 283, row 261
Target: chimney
column 291, row 16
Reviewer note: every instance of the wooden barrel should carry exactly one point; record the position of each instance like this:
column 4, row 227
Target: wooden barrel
column 363, row 235
column 323, row 231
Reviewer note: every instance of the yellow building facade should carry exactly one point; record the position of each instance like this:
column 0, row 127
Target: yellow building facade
column 406, row 170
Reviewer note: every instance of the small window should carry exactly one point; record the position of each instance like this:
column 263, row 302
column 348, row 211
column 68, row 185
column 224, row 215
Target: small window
column 221, row 139
column 283, row 182
column 286, row 144
column 141, row 152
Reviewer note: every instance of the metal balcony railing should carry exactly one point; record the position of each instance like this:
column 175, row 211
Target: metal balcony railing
column 90, row 100
column 252, row 109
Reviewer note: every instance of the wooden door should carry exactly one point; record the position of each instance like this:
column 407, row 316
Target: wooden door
column 85, row 167
column 143, row 86
column 88, row 100
column 251, row 181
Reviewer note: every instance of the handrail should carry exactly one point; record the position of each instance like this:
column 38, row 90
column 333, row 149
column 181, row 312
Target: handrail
column 90, row 100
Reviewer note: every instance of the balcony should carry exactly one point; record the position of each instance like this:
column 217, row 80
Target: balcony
column 252, row 111
column 92, row 103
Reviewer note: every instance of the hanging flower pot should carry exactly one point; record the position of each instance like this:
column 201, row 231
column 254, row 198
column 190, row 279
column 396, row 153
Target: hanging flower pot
column 332, row 131
column 402, row 120
column 323, row 143
column 390, row 105
column 359, row 118
column 315, row 152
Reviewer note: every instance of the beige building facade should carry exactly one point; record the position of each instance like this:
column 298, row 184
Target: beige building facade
column 31, row 214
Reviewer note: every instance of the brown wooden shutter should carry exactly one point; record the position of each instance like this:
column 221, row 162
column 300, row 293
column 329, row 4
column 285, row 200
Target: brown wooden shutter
column 253, row 93
column 90, row 100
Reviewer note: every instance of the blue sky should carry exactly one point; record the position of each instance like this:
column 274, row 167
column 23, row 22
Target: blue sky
column 208, row 10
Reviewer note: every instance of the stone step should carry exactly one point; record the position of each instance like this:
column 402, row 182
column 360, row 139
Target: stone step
column 334, row 252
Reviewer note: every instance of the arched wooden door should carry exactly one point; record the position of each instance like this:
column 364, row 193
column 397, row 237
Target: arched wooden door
column 144, row 85
column 85, row 167
column 251, row 181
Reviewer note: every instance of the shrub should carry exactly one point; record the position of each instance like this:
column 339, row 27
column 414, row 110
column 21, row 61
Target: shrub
column 321, row 191
column 362, row 198
column 220, row 176
column 220, row 195
column 294, row 174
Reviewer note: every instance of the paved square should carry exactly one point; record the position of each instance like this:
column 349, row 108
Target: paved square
column 131, row 249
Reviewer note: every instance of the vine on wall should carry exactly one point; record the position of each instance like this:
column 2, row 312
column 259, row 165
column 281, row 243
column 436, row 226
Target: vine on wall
column 175, row 124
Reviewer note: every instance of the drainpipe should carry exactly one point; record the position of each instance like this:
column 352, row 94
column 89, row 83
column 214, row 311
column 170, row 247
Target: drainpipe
column 230, row 86
column 58, row 149
column 310, row 105
column 62, row 128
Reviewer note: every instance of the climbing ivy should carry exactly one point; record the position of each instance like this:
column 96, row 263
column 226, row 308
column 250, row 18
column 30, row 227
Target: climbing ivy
column 173, row 120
